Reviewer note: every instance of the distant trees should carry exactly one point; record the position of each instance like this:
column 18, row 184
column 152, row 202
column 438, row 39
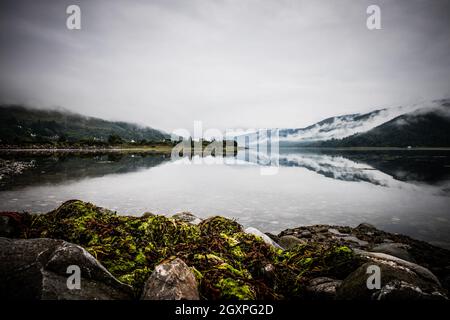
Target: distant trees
column 62, row 138
column 115, row 139
column 143, row 142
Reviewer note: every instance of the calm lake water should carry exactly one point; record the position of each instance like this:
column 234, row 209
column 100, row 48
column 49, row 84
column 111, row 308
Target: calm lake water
column 398, row 191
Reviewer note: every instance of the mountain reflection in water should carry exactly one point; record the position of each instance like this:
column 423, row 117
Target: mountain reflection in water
column 377, row 167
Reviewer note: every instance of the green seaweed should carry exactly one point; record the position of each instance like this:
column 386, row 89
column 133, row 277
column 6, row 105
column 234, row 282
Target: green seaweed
column 227, row 262
column 234, row 289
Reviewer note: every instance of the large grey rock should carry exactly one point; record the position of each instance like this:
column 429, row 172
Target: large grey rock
column 399, row 250
column 289, row 242
column 37, row 269
column 391, row 260
column 172, row 280
column 400, row 279
column 264, row 237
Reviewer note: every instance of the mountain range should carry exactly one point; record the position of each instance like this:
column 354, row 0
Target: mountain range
column 419, row 125
column 21, row 125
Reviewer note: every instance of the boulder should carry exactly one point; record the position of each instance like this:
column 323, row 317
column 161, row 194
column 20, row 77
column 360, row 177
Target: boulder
column 187, row 217
column 264, row 237
column 38, row 269
column 398, row 250
column 398, row 279
column 289, row 242
column 172, row 280
column 391, row 260
column 323, row 288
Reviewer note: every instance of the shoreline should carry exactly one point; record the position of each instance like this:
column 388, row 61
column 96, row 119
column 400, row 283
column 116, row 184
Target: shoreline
column 156, row 149
column 87, row 150
column 223, row 259
column 371, row 148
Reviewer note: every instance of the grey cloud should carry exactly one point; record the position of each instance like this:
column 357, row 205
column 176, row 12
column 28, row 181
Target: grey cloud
column 228, row 63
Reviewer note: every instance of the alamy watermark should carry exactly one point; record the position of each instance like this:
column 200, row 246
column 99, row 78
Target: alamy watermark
column 373, row 21
column 73, row 281
column 212, row 146
column 73, row 21
column 374, row 279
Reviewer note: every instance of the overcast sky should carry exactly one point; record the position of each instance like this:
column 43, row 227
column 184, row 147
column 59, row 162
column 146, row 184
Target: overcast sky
column 230, row 64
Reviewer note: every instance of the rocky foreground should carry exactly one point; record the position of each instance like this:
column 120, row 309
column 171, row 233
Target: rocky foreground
column 184, row 257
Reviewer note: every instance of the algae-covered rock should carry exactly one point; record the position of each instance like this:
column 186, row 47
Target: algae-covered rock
column 77, row 208
column 219, row 224
column 171, row 280
column 129, row 247
column 227, row 262
column 314, row 260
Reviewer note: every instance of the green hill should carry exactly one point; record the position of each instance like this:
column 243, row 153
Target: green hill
column 21, row 125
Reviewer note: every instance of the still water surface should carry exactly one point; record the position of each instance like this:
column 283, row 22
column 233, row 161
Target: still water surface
column 398, row 191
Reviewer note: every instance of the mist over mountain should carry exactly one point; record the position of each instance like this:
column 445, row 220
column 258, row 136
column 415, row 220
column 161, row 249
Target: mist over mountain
column 424, row 124
column 19, row 124
column 422, row 128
